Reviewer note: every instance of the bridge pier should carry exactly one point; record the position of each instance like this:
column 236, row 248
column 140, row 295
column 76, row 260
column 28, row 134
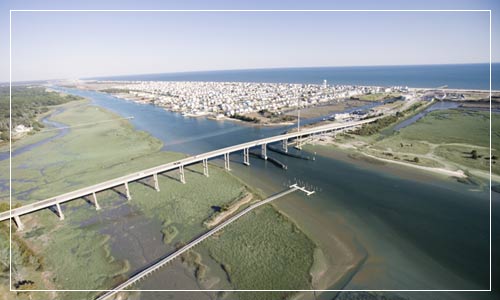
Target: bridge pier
column 181, row 173
column 226, row 162
column 59, row 212
column 127, row 192
column 157, row 185
column 19, row 224
column 285, row 145
column 97, row 206
column 205, row 167
column 263, row 151
column 298, row 144
column 246, row 156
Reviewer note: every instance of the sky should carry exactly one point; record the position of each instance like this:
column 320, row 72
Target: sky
column 70, row 45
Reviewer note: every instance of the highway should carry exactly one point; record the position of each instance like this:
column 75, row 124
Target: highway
column 179, row 164
column 196, row 241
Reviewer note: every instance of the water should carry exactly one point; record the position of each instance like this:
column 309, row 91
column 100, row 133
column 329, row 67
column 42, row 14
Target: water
column 365, row 107
column 462, row 76
column 426, row 232
column 51, row 124
column 179, row 133
column 437, row 106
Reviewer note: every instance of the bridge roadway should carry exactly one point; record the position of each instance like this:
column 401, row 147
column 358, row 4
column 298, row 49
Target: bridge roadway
column 196, row 241
column 124, row 180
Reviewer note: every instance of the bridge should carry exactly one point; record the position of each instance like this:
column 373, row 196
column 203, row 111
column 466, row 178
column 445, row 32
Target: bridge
column 162, row 262
column 90, row 191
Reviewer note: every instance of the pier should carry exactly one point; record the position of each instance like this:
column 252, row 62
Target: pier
column 162, row 262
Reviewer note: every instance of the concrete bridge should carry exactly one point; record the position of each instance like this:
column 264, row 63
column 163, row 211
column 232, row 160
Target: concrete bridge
column 55, row 202
column 162, row 262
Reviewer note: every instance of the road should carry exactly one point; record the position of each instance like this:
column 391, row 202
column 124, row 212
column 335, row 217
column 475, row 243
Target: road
column 172, row 166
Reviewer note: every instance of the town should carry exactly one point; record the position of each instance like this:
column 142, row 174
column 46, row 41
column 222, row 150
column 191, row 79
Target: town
column 230, row 99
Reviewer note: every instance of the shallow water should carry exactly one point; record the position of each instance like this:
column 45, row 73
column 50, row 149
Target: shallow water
column 52, row 124
column 426, row 233
column 437, row 106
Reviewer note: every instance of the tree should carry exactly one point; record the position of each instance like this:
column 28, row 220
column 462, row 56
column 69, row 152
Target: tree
column 473, row 154
column 416, row 159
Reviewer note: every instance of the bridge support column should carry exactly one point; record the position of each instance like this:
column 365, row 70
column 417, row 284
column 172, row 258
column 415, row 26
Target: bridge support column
column 181, row 173
column 205, row 167
column 299, row 143
column 263, row 151
column 157, row 185
column 97, row 206
column 246, row 156
column 59, row 211
column 127, row 192
column 19, row 224
column 226, row 162
column 285, row 145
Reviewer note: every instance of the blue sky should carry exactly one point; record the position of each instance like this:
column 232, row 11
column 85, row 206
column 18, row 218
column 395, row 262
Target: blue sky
column 48, row 45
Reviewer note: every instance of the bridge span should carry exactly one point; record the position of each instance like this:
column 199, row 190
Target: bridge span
column 54, row 202
column 162, row 262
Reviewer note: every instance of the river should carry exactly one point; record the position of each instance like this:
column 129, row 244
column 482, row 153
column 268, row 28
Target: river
column 47, row 121
column 419, row 231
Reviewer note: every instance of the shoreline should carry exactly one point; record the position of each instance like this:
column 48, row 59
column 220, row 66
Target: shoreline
column 337, row 255
column 206, row 116
column 312, row 217
column 404, row 171
column 128, row 125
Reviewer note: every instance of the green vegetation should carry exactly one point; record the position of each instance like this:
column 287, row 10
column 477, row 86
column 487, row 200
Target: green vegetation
column 27, row 104
column 453, row 138
column 182, row 208
column 75, row 254
column 245, row 118
column 276, row 117
column 284, row 118
column 27, row 277
column 378, row 125
column 264, row 250
column 90, row 154
column 375, row 127
column 115, row 91
column 454, row 126
column 193, row 260
column 377, row 96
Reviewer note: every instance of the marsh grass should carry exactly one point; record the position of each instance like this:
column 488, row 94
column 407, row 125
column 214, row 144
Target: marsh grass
column 183, row 207
column 455, row 133
column 264, row 250
column 453, row 126
column 76, row 255
column 85, row 156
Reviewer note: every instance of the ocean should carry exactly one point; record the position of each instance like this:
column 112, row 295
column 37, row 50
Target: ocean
column 459, row 76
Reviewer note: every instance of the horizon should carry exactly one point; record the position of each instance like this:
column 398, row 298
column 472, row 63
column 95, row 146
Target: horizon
column 101, row 77
column 89, row 44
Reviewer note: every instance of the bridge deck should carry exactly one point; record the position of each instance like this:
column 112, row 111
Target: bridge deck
column 171, row 166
